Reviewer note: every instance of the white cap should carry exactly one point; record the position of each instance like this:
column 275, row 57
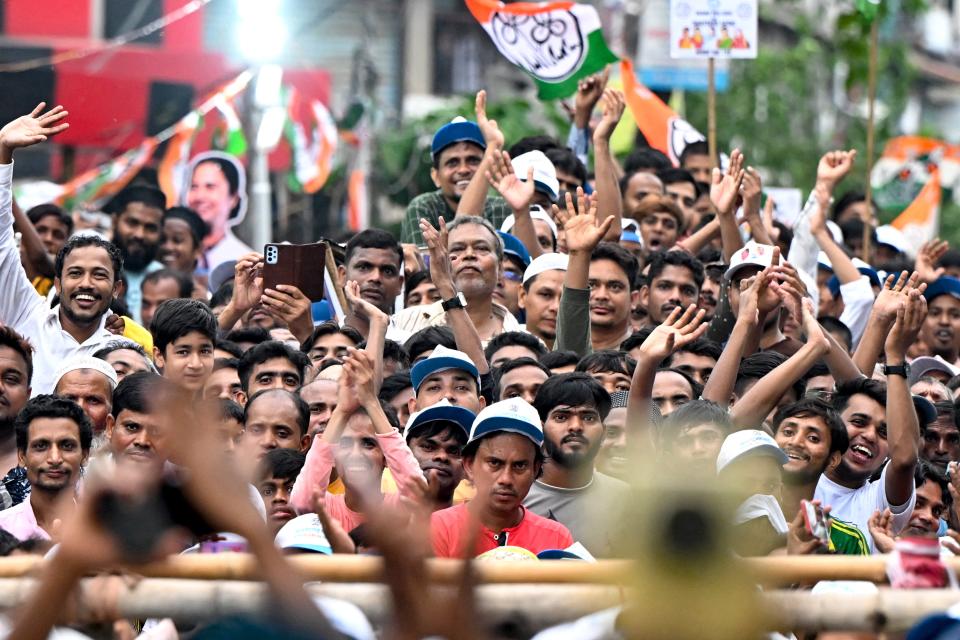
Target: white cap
column 443, row 359
column 306, row 533
column 627, row 223
column 749, row 442
column 823, row 260
column 537, row 213
column 87, row 362
column 889, row 235
column 544, row 173
column 834, row 230
column 752, row 254
column 513, row 416
column 546, row 262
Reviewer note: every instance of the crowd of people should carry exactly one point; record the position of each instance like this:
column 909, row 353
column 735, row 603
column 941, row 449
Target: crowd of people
column 544, row 329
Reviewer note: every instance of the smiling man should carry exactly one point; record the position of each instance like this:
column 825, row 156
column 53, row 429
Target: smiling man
column 456, row 151
column 87, row 272
column 573, row 408
column 53, row 442
column 941, row 329
column 814, row 438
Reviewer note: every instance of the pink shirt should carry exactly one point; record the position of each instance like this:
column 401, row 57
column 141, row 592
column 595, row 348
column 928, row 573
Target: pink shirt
column 20, row 521
column 315, row 476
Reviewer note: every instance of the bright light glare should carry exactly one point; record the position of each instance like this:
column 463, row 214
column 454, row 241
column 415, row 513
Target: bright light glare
column 271, row 128
column 261, row 32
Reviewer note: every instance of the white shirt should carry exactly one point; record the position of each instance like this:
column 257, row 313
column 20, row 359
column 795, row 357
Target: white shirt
column 857, row 505
column 230, row 247
column 22, row 308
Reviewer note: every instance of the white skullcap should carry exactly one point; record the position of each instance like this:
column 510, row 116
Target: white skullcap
column 537, row 213
column 87, row 362
column 546, row 262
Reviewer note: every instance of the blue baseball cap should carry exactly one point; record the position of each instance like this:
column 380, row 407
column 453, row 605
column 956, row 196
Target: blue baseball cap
column 457, row 130
column 442, row 411
column 511, row 416
column 944, row 285
column 513, row 247
column 834, row 283
column 443, row 359
column 926, row 412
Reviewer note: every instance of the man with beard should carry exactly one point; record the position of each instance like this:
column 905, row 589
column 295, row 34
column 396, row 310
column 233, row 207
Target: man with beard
column 941, row 329
column 87, row 272
column 436, row 437
column 16, row 367
column 137, row 231
column 814, row 438
column 53, row 441
column 476, row 252
column 673, row 280
column 941, row 438
column 374, row 260
column 573, row 407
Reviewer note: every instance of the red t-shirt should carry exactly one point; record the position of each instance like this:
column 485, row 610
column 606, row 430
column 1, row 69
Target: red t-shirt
column 534, row 533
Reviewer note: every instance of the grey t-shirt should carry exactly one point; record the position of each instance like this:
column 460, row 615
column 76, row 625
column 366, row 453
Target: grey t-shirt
column 591, row 512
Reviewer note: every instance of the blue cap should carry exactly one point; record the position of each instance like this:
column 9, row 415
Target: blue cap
column 926, row 412
column 834, row 283
column 513, row 247
column 944, row 285
column 321, row 312
column 629, row 236
column 442, row 411
column 512, row 416
column 457, row 130
column 443, row 359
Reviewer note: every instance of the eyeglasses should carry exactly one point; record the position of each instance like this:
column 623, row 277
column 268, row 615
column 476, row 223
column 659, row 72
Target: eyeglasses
column 512, row 276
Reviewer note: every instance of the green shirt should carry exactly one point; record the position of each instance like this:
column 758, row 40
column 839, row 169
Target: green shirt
column 846, row 539
column 432, row 205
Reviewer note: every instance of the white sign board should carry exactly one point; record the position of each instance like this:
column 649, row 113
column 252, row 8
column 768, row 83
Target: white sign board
column 713, row 29
column 787, row 204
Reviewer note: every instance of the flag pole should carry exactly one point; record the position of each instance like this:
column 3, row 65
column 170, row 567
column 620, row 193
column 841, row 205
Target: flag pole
column 871, row 100
column 712, row 110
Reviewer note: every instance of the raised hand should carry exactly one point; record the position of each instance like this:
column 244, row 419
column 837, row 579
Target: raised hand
column 893, row 295
column 583, row 231
column 679, row 329
column 247, row 282
column 589, row 91
column 288, row 303
column 360, row 366
column 834, row 166
column 725, row 187
column 441, row 264
column 32, row 128
column 517, row 192
column 752, row 191
column 927, row 258
column 799, row 540
column 613, row 105
column 880, row 526
column 359, row 306
column 812, row 329
column 907, row 327
column 491, row 132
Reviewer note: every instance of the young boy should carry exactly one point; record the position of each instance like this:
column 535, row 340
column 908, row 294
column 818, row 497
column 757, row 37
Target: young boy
column 184, row 331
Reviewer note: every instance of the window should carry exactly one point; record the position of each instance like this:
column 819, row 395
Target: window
column 123, row 16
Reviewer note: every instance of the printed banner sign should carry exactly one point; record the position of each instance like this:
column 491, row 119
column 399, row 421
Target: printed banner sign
column 713, row 29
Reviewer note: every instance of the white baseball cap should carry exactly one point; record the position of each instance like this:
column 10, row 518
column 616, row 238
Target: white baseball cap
column 749, row 442
column 443, row 359
column 752, row 254
column 893, row 237
column 305, row 533
column 546, row 262
column 544, row 173
column 87, row 362
column 513, row 416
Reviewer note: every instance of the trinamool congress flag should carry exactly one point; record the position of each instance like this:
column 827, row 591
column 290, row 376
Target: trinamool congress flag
column 557, row 43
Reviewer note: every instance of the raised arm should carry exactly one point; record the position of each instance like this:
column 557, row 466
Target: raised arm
column 518, row 193
column 583, row 231
column 752, row 194
column 609, row 201
column 724, row 191
column 892, row 297
column 752, row 409
column 679, row 329
column 475, row 195
column 19, row 298
column 247, row 290
column 373, row 320
column 903, row 429
column 441, row 274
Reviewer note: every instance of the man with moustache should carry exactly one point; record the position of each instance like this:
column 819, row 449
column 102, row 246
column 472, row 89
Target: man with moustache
column 374, row 260
column 90, row 382
column 136, row 419
column 16, row 368
column 436, row 436
column 934, row 503
column 53, row 442
column 673, row 280
column 572, row 408
column 137, row 232
column 87, row 272
column 941, row 329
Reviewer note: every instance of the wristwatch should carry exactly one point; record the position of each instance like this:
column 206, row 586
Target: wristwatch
column 456, row 302
column 897, row 370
